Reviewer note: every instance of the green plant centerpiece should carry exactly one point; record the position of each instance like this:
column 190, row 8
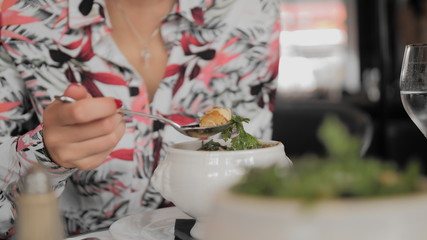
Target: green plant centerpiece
column 343, row 174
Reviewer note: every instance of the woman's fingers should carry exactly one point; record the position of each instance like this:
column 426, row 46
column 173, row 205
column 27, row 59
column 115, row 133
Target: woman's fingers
column 82, row 132
column 76, row 92
column 89, row 128
column 76, row 154
column 85, row 110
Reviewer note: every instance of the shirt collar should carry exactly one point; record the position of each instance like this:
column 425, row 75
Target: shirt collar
column 193, row 10
column 82, row 13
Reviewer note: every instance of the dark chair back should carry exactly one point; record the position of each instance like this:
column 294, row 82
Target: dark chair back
column 295, row 124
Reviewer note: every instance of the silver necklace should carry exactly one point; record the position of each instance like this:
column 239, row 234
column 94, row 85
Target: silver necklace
column 145, row 52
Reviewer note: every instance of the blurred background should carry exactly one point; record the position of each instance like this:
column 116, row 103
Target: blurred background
column 344, row 56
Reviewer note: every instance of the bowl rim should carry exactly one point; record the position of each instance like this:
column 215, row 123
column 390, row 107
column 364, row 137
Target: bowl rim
column 178, row 148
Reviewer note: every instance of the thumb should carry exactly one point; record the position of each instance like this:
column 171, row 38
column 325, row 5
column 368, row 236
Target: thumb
column 76, row 92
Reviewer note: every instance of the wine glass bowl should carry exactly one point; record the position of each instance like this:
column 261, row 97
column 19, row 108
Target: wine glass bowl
column 413, row 84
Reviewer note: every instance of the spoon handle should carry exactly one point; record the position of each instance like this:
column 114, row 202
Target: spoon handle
column 127, row 111
column 157, row 117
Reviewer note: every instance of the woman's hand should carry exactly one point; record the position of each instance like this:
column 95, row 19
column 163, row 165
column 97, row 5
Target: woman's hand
column 82, row 134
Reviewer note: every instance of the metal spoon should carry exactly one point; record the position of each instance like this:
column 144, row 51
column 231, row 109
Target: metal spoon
column 191, row 130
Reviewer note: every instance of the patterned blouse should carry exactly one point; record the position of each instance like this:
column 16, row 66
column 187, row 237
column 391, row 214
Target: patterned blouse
column 221, row 53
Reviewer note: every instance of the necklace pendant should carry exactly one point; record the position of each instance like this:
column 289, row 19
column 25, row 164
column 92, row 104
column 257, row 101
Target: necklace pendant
column 146, row 55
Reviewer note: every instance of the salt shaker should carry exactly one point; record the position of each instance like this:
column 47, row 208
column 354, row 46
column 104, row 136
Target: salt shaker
column 38, row 212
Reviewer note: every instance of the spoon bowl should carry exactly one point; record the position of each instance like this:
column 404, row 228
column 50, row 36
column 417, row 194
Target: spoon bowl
column 191, row 130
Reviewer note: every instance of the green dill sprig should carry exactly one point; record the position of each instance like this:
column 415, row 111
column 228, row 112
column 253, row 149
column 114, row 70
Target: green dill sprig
column 240, row 139
column 236, row 134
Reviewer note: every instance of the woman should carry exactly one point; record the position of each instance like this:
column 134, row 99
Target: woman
column 174, row 58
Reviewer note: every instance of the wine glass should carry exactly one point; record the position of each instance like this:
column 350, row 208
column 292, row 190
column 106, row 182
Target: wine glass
column 413, row 84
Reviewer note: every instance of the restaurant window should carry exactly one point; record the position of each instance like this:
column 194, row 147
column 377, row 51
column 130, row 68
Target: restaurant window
column 319, row 49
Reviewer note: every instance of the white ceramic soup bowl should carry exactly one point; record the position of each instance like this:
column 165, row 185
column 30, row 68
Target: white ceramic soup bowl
column 190, row 178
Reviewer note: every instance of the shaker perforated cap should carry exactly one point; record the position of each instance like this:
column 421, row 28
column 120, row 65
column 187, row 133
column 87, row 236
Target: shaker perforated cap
column 36, row 181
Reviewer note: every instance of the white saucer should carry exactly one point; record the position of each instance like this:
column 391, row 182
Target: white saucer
column 151, row 225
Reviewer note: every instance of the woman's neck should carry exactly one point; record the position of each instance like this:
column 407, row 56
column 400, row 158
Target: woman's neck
column 148, row 6
column 136, row 31
column 149, row 12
